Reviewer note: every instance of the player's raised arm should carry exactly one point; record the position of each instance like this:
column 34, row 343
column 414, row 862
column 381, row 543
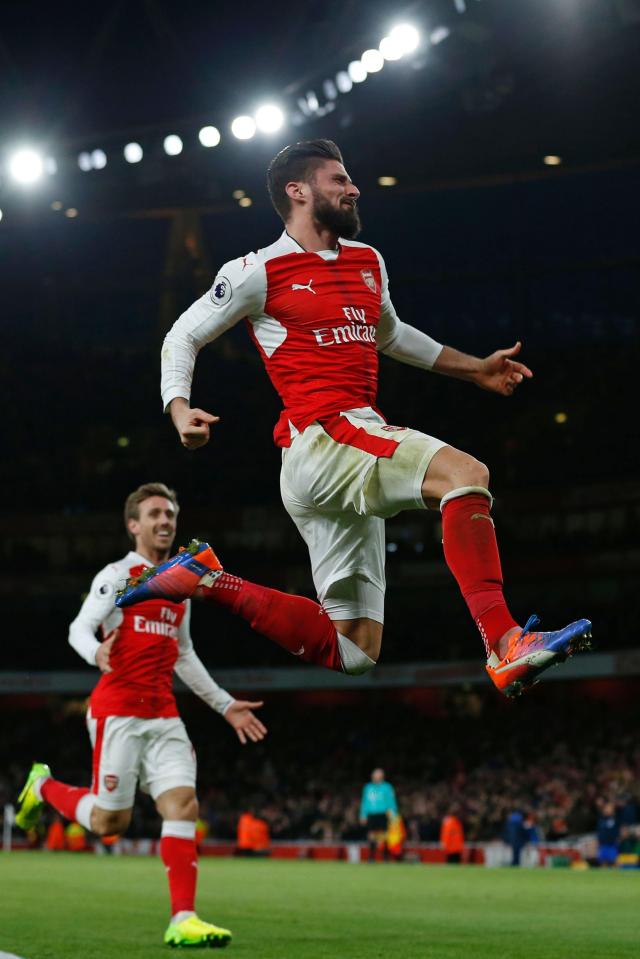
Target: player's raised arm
column 499, row 372
column 238, row 291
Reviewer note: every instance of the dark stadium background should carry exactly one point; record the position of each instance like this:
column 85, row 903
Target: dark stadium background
column 485, row 244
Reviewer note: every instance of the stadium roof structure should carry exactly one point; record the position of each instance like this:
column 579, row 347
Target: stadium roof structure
column 493, row 88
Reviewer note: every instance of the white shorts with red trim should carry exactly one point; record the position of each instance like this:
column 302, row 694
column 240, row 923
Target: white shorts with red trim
column 157, row 753
column 340, row 480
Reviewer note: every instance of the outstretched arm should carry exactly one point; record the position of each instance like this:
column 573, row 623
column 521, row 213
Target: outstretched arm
column 194, row 674
column 499, row 372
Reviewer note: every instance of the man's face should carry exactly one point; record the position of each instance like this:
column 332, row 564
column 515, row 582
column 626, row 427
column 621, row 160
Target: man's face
column 155, row 528
column 334, row 200
column 377, row 776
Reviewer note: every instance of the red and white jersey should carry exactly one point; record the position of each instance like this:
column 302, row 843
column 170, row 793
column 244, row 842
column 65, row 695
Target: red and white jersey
column 318, row 321
column 154, row 639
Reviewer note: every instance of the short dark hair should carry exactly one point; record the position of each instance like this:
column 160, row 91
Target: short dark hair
column 146, row 491
column 299, row 161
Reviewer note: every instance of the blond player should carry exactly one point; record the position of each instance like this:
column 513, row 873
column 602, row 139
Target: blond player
column 136, row 732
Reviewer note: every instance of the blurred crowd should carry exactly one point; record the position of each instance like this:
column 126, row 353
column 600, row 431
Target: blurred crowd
column 562, row 758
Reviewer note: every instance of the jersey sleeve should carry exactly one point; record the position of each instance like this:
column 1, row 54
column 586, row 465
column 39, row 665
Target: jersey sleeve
column 97, row 610
column 239, row 290
column 194, row 674
column 399, row 340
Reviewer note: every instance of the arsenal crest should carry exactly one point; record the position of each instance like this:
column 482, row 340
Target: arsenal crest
column 111, row 782
column 369, row 279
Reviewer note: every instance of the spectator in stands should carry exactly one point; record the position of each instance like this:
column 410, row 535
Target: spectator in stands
column 452, row 835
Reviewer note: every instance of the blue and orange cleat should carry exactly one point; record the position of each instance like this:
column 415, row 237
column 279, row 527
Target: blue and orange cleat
column 176, row 579
column 529, row 653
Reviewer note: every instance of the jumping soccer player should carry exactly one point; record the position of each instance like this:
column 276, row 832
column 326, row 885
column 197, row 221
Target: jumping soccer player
column 133, row 720
column 318, row 309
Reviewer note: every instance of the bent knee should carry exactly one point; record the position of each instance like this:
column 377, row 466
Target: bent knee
column 108, row 822
column 478, row 474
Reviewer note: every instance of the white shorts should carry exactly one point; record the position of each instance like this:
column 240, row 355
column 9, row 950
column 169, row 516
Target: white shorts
column 339, row 494
column 157, row 752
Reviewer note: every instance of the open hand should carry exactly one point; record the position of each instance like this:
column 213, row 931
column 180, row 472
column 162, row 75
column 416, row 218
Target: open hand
column 246, row 725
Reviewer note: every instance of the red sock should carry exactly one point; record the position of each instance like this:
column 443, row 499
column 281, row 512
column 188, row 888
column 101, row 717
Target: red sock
column 471, row 552
column 62, row 797
column 180, row 858
column 299, row 625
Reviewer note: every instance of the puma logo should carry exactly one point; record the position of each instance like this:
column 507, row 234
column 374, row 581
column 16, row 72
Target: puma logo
column 300, row 286
column 299, row 652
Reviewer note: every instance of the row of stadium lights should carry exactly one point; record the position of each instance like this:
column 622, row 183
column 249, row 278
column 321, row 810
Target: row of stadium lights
column 27, row 166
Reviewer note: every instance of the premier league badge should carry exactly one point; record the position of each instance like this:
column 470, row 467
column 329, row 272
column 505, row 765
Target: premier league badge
column 220, row 291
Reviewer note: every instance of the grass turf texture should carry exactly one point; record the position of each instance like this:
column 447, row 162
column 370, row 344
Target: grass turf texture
column 67, row 906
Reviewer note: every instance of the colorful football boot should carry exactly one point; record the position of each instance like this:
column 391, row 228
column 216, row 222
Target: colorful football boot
column 194, row 933
column 176, row 579
column 29, row 803
column 529, row 653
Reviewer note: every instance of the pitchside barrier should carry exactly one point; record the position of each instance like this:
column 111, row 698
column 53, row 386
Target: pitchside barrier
column 491, row 854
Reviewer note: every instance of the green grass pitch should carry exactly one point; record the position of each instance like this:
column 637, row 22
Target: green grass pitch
column 66, row 906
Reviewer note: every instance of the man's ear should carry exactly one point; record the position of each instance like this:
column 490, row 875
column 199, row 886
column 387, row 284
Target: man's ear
column 133, row 526
column 296, row 190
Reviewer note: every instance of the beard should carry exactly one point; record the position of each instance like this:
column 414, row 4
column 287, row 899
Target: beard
column 343, row 220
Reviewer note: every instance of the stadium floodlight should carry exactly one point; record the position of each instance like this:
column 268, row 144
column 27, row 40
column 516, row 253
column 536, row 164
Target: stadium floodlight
column 552, row 160
column 98, row 159
column 329, row 89
column 269, row 118
column 56, row 205
column 391, row 49
column 50, row 166
column 438, row 35
column 387, row 181
column 406, row 37
column 243, row 128
column 133, row 152
column 245, row 201
column 172, row 145
column 209, row 136
column 312, row 101
column 356, row 71
column 0, row 214
column 372, row 61
column 84, row 162
column 344, row 82
column 26, row 166
column 71, row 213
